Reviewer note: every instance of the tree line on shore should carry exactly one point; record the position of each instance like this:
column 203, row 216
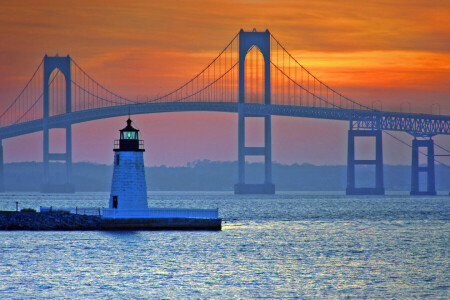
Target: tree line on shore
column 208, row 175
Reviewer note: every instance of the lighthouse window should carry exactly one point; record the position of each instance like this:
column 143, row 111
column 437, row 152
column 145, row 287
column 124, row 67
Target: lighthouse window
column 129, row 135
column 117, row 159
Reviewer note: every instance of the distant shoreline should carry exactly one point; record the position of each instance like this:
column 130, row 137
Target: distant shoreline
column 208, row 175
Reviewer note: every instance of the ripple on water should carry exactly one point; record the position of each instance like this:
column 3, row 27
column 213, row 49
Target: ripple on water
column 287, row 245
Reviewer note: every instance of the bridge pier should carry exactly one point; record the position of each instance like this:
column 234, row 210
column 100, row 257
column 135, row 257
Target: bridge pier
column 50, row 187
column 63, row 64
column 245, row 188
column 429, row 168
column 2, row 172
column 352, row 162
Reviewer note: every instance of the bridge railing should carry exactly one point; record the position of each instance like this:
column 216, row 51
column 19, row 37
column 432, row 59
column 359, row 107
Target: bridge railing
column 89, row 211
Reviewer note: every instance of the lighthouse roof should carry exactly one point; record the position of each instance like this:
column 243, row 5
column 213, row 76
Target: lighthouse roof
column 129, row 127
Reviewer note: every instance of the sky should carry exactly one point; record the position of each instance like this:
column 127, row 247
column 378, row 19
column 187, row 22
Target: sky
column 396, row 53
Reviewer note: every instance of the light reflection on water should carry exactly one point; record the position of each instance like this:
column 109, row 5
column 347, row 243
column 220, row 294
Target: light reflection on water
column 287, row 245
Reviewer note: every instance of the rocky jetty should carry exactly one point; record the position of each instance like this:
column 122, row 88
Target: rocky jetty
column 48, row 221
column 68, row 221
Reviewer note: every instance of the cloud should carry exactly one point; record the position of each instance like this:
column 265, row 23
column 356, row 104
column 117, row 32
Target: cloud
column 151, row 47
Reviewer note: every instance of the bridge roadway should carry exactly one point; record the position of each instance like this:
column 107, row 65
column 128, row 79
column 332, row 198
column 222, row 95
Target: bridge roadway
column 415, row 124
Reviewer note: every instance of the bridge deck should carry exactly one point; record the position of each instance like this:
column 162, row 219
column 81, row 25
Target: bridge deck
column 420, row 124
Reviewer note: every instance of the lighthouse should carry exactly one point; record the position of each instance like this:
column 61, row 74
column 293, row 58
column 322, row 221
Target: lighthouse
column 128, row 188
column 128, row 208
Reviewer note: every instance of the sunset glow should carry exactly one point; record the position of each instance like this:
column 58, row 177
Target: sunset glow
column 392, row 54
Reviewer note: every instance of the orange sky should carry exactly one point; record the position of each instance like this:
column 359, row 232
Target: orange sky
column 388, row 51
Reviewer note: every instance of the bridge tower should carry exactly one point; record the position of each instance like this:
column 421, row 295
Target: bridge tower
column 63, row 65
column 352, row 162
column 428, row 169
column 262, row 41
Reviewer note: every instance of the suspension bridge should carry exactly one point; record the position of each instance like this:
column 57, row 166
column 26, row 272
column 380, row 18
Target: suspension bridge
column 253, row 76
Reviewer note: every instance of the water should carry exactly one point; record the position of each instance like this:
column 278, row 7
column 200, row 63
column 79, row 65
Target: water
column 288, row 245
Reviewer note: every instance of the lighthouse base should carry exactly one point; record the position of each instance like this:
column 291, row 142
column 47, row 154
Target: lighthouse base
column 161, row 219
column 154, row 213
column 161, row 224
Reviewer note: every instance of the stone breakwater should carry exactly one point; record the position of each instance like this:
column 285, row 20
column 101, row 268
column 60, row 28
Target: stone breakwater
column 67, row 221
column 48, row 221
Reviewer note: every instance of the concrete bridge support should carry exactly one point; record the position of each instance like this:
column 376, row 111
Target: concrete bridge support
column 245, row 188
column 262, row 41
column 352, row 162
column 428, row 169
column 63, row 65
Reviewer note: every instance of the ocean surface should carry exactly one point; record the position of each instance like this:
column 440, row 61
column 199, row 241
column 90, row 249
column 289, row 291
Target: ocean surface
column 289, row 245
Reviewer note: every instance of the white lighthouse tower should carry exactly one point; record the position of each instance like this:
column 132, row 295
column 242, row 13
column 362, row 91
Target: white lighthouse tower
column 128, row 189
column 128, row 199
